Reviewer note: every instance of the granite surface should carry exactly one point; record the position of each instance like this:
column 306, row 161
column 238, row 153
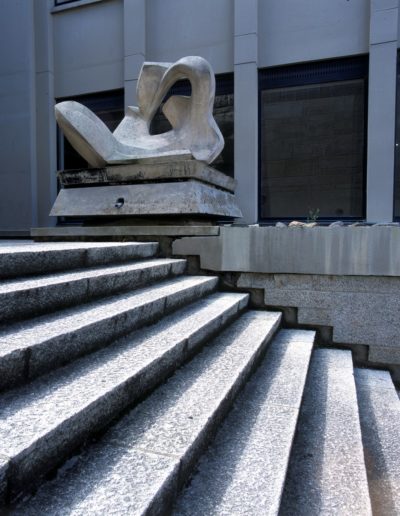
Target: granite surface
column 326, row 473
column 360, row 309
column 174, row 424
column 379, row 408
column 38, row 345
column 4, row 464
column 66, row 406
column 243, row 471
column 20, row 259
column 22, row 298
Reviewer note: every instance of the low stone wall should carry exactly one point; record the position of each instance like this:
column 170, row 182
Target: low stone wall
column 351, row 251
column 346, row 278
column 360, row 309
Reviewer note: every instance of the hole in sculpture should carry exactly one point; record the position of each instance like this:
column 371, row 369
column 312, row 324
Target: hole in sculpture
column 120, row 202
column 160, row 124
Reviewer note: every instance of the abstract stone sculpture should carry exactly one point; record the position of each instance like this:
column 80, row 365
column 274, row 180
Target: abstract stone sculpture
column 141, row 175
column 194, row 130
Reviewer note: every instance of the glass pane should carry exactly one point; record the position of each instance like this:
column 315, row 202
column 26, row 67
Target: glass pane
column 312, row 150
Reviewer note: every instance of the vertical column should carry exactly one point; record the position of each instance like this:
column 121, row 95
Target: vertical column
column 18, row 166
column 45, row 128
column 32, row 66
column 382, row 109
column 246, row 107
column 134, row 46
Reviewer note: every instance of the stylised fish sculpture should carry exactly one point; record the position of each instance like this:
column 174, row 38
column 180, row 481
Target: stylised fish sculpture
column 194, row 130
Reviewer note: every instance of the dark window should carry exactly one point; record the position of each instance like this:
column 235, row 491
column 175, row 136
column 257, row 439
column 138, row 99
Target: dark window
column 108, row 106
column 223, row 114
column 312, row 140
column 397, row 148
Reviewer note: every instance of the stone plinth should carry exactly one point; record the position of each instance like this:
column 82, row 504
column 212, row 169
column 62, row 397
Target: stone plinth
column 174, row 188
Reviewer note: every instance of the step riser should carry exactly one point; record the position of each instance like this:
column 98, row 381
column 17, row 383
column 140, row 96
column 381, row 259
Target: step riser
column 15, row 264
column 53, row 448
column 23, row 365
column 379, row 409
column 36, row 301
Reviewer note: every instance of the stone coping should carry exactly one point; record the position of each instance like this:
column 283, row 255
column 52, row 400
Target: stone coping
column 123, row 231
column 148, row 171
column 359, row 250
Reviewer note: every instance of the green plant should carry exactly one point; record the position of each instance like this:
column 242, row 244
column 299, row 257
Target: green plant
column 313, row 215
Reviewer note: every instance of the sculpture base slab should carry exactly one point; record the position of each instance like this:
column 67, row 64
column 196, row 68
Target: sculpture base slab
column 176, row 168
column 184, row 198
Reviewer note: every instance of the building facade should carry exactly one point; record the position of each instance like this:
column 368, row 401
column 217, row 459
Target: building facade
column 306, row 97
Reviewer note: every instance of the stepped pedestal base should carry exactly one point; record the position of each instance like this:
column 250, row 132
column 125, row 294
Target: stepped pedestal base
column 154, row 199
column 184, row 189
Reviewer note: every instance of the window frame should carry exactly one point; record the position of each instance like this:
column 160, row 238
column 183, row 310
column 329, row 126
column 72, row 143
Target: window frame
column 396, row 171
column 315, row 72
column 57, row 3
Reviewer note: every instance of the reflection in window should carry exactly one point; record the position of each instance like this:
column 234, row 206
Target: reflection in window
column 312, row 148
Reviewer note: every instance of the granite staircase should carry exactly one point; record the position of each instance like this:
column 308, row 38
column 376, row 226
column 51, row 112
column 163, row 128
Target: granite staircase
column 128, row 387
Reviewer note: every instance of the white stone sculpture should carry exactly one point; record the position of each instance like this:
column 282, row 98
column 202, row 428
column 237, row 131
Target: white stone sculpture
column 194, row 130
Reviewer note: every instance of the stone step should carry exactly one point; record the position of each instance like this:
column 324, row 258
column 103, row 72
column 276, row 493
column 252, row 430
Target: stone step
column 326, row 473
column 44, row 421
column 39, row 345
column 25, row 259
column 244, row 470
column 138, row 465
column 23, row 298
column 379, row 408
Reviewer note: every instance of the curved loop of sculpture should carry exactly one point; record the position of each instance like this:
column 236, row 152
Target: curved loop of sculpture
column 194, row 130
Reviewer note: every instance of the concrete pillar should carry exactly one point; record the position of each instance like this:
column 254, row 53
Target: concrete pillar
column 134, row 46
column 18, row 168
column 45, row 129
column 382, row 109
column 246, row 107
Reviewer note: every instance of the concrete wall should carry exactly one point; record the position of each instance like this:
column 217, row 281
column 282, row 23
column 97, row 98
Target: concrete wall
column 44, row 132
column 382, row 109
column 88, row 48
column 309, row 30
column 199, row 27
